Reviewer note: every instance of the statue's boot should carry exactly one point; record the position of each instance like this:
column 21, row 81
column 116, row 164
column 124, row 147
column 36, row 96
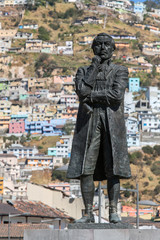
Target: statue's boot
column 88, row 216
column 87, row 189
column 113, row 194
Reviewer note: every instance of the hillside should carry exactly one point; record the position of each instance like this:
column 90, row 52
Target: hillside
column 57, row 22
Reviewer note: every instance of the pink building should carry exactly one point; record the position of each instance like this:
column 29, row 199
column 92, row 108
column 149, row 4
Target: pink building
column 17, row 126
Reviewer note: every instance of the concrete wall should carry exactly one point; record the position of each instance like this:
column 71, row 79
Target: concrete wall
column 55, row 199
column 93, row 234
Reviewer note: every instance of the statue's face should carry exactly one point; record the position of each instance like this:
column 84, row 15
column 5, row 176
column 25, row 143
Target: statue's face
column 103, row 47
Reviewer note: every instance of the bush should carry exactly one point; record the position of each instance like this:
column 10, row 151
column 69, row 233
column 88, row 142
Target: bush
column 54, row 26
column 155, row 168
column 148, row 162
column 44, row 66
column 60, row 175
column 157, row 189
column 134, row 157
column 40, row 147
column 157, row 149
column 127, row 185
column 150, row 178
column 43, row 34
column 144, row 192
column 146, row 158
column 127, row 194
column 148, row 149
column 145, row 184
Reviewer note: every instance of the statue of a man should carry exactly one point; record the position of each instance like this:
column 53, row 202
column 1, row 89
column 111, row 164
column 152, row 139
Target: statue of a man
column 99, row 149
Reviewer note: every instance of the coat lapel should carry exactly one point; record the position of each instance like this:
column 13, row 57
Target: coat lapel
column 108, row 70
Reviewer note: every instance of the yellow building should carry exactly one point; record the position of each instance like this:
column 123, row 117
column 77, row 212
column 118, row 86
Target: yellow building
column 17, row 109
column 1, row 185
column 8, row 33
column 35, row 83
column 36, row 117
column 4, row 122
column 5, row 107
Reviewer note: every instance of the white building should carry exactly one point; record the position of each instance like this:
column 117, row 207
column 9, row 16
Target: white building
column 133, row 140
column 14, row 190
column 129, row 104
column 68, row 100
column 66, row 50
column 11, row 170
column 151, row 123
column 23, row 35
column 63, row 147
column 20, row 151
column 133, row 136
column 5, row 44
column 153, row 95
column 131, row 125
column 123, row 4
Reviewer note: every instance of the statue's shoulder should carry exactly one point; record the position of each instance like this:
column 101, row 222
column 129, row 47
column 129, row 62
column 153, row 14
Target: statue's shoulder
column 117, row 67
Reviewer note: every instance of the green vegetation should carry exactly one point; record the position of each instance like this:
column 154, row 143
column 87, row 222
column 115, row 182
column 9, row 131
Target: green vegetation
column 147, row 149
column 157, row 149
column 135, row 157
column 68, row 128
column 155, row 168
column 157, row 189
column 43, row 34
column 44, row 65
column 60, row 175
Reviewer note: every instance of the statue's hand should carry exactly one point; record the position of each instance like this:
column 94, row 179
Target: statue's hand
column 96, row 59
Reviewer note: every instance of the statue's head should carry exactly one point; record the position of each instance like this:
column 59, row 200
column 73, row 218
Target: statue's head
column 103, row 45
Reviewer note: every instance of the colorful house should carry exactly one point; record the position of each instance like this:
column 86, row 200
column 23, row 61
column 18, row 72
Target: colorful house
column 134, row 84
column 17, row 126
column 39, row 161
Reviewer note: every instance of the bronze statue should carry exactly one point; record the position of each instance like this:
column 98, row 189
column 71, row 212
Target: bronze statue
column 99, row 149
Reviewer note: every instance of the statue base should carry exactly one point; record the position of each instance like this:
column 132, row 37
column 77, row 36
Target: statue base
column 119, row 225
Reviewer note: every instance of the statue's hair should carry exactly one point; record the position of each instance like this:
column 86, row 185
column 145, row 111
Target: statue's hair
column 105, row 35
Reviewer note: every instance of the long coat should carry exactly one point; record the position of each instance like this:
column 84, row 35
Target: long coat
column 116, row 78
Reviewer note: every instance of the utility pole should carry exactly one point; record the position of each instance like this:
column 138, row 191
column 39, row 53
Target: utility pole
column 137, row 189
column 99, row 191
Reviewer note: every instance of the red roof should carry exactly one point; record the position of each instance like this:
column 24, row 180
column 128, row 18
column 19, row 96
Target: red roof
column 17, row 230
column 39, row 209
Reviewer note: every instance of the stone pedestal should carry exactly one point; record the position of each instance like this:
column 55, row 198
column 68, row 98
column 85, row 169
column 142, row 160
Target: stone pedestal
column 92, row 234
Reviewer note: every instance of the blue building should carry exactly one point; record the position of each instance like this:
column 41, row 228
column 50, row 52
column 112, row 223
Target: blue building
column 47, row 128
column 139, row 7
column 134, row 84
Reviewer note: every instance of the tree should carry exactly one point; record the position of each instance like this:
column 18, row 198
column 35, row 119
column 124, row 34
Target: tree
column 155, row 168
column 157, row 149
column 43, row 34
column 147, row 149
column 68, row 127
column 60, row 175
column 23, row 139
column 157, row 189
column 138, row 34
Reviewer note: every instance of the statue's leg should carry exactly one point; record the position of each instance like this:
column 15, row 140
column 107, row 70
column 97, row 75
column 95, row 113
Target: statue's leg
column 87, row 189
column 113, row 194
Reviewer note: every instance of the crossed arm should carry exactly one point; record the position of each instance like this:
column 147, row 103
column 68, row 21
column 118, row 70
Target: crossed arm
column 85, row 79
